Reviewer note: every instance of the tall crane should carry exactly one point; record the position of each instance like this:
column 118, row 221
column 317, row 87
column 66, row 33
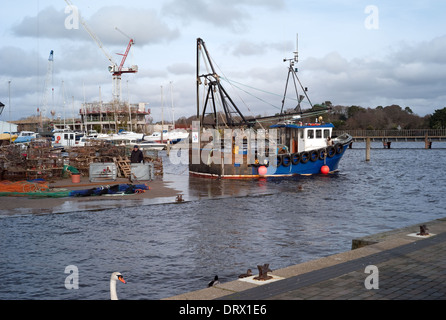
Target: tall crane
column 115, row 69
column 120, row 70
column 48, row 79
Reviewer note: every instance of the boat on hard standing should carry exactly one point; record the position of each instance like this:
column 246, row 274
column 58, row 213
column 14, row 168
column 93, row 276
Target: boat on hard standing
column 296, row 143
column 26, row 136
column 146, row 145
column 121, row 135
column 64, row 138
column 171, row 137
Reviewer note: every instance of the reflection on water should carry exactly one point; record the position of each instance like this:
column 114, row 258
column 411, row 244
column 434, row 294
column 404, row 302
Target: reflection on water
column 223, row 228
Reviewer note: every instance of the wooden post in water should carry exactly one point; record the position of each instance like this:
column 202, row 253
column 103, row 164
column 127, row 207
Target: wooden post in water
column 427, row 143
column 367, row 149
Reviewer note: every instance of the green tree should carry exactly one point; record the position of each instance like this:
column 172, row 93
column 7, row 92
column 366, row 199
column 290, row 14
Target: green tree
column 408, row 110
column 438, row 119
column 353, row 110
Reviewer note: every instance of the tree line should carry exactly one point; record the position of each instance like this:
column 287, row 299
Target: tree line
column 359, row 118
column 382, row 118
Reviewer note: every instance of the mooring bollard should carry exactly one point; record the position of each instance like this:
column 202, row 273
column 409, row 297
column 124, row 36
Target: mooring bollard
column 263, row 272
column 423, row 230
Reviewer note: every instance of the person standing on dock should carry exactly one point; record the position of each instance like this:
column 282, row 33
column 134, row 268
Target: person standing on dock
column 136, row 156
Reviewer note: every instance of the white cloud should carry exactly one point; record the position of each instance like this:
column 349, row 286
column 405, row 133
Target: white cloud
column 19, row 63
column 181, row 68
column 143, row 25
column 225, row 14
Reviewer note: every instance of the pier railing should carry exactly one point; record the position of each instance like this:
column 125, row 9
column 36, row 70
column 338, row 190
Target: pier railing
column 396, row 135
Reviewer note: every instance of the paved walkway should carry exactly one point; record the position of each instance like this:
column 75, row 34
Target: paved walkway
column 415, row 271
column 409, row 268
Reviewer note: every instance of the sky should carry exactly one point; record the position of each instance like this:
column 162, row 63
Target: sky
column 365, row 53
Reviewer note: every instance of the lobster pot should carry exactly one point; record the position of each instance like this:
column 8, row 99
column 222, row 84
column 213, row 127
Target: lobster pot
column 106, row 171
column 141, row 171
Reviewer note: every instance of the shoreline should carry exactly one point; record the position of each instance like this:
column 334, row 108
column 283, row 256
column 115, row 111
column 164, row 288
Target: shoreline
column 159, row 192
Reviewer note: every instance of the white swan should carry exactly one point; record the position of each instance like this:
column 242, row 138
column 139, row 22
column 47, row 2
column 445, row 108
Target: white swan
column 114, row 277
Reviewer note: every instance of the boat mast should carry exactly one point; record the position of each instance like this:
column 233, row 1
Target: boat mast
column 292, row 71
column 212, row 80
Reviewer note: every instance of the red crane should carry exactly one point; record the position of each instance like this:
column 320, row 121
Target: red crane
column 114, row 69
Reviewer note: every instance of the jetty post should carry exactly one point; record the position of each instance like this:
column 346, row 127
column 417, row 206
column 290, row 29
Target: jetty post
column 367, row 149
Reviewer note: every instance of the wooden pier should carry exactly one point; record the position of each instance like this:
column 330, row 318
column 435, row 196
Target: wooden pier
column 388, row 136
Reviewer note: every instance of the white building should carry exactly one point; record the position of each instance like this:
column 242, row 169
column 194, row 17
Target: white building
column 6, row 127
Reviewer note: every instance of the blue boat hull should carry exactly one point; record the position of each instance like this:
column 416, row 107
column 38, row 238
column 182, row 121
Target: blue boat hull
column 281, row 166
column 24, row 139
column 300, row 168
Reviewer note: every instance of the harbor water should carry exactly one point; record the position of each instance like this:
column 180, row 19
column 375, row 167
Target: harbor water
column 223, row 228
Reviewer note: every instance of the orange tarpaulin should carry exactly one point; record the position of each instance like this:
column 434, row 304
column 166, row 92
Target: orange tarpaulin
column 24, row 186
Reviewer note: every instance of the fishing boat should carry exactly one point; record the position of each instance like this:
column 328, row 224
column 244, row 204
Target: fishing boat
column 297, row 143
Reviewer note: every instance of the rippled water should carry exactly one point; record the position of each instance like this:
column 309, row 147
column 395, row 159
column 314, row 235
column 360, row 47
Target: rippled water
column 224, row 228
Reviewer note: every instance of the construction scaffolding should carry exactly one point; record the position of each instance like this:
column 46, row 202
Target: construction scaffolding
column 114, row 116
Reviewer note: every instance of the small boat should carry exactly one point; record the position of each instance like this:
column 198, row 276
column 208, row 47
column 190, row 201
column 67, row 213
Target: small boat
column 26, row 136
column 65, row 138
column 6, row 137
column 145, row 145
column 123, row 137
column 171, row 137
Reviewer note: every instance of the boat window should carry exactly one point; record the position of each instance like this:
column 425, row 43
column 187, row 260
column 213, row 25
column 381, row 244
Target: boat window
column 310, row 134
column 319, row 134
column 326, row 133
column 65, row 136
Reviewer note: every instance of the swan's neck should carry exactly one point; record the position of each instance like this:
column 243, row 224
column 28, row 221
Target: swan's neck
column 113, row 295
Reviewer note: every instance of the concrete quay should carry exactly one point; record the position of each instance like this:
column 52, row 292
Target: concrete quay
column 406, row 266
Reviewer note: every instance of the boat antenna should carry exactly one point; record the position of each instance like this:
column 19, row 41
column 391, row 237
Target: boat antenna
column 292, row 72
column 296, row 53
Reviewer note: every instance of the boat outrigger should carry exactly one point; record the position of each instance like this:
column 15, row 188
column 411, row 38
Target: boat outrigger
column 229, row 146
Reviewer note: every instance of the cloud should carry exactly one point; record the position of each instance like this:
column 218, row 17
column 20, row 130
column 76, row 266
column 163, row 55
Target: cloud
column 17, row 62
column 48, row 23
column 231, row 14
column 411, row 74
column 143, row 25
column 251, row 48
column 182, row 69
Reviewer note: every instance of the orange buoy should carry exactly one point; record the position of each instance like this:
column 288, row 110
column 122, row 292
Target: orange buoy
column 262, row 170
column 325, row 169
